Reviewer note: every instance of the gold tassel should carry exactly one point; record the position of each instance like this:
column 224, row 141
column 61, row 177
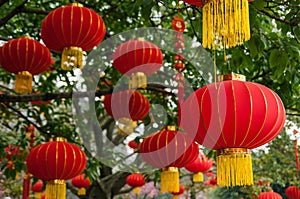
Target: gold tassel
column 136, row 190
column 225, row 23
column 169, row 180
column 71, row 58
column 175, row 197
column 137, row 80
column 56, row 189
column 234, row 167
column 23, row 82
column 125, row 126
column 198, row 177
column 81, row 191
column 38, row 195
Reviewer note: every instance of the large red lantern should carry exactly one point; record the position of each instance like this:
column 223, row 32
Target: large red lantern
column 37, row 188
column 71, row 30
column 126, row 107
column 269, row 195
column 169, row 149
column 24, row 57
column 81, row 182
column 136, row 180
column 292, row 192
column 232, row 117
column 199, row 166
column 55, row 162
column 137, row 58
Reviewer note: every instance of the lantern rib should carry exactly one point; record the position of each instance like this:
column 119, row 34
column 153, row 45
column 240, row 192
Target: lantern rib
column 53, row 28
column 251, row 115
column 248, row 145
column 65, row 161
column 219, row 117
column 149, row 149
column 71, row 25
column 46, row 160
column 62, row 26
column 26, row 54
column 18, row 53
column 91, row 41
column 234, row 106
column 81, row 22
column 40, row 64
column 89, row 30
column 56, row 160
column 143, row 49
column 34, row 57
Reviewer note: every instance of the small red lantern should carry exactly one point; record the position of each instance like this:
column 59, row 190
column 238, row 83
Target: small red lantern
column 24, row 57
column 233, row 116
column 136, row 180
column 55, row 162
column 132, row 144
column 178, row 24
column 127, row 107
column 176, row 194
column 169, row 149
column 292, row 192
column 37, row 188
column 81, row 182
column 137, row 58
column 269, row 195
column 71, row 30
column 199, row 166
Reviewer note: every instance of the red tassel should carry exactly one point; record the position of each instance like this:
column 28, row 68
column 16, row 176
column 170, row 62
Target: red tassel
column 26, row 186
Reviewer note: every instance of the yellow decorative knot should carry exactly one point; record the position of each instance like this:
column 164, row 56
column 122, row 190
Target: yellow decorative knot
column 72, row 58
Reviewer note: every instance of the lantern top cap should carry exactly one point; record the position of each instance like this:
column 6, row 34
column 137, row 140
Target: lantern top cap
column 172, row 169
column 170, row 128
column 76, row 4
column 232, row 76
column 58, row 139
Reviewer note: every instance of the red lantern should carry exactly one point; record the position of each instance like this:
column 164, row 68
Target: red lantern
column 194, row 2
column 37, row 188
column 232, row 117
column 176, row 194
column 55, row 162
column 71, row 30
column 292, row 192
column 169, row 149
column 136, row 180
column 81, row 182
column 132, row 144
column 178, row 24
column 269, row 195
column 24, row 57
column 137, row 58
column 126, row 106
column 199, row 166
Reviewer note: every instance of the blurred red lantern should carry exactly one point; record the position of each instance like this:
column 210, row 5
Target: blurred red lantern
column 24, row 57
column 132, row 144
column 37, row 188
column 199, row 166
column 176, row 194
column 55, row 162
column 178, row 24
column 137, row 58
column 169, row 149
column 81, row 182
column 292, row 192
column 71, row 30
column 232, row 117
column 269, row 195
column 126, row 107
column 136, row 180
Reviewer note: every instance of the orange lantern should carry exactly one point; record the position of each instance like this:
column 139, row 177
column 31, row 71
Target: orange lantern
column 176, row 194
column 136, row 180
column 137, row 58
column 126, row 107
column 269, row 195
column 169, row 149
column 81, row 182
column 199, row 166
column 24, row 57
column 55, row 162
column 37, row 188
column 232, row 117
column 292, row 192
column 71, row 30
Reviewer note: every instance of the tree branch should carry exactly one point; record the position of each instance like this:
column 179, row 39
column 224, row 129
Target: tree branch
column 28, row 10
column 10, row 15
column 279, row 19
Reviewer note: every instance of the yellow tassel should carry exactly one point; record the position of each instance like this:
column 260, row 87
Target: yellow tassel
column 225, row 23
column 198, row 177
column 136, row 190
column 81, row 191
column 175, row 197
column 234, row 167
column 138, row 80
column 125, row 126
column 38, row 195
column 71, row 58
column 169, row 180
column 56, row 189
column 23, row 82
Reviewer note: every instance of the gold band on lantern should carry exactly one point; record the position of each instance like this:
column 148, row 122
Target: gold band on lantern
column 171, row 128
column 171, row 169
column 137, row 80
column 23, row 83
column 230, row 151
column 71, row 58
column 57, row 139
column 76, row 4
column 231, row 76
